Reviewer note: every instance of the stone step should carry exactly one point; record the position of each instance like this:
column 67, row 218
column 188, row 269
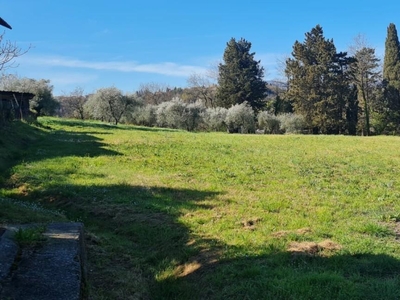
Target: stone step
column 55, row 270
column 8, row 253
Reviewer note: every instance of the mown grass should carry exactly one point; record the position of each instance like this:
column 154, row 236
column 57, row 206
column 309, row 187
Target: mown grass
column 178, row 215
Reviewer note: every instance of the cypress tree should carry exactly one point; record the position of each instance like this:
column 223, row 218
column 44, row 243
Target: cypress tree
column 241, row 77
column 391, row 63
column 391, row 78
column 352, row 108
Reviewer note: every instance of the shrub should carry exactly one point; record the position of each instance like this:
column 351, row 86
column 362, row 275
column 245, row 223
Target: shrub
column 109, row 105
column 291, row 123
column 240, row 119
column 180, row 115
column 214, row 119
column 145, row 116
column 29, row 236
column 161, row 116
column 268, row 122
column 97, row 110
column 169, row 114
column 192, row 117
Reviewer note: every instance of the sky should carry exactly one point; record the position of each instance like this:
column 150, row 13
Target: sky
column 128, row 44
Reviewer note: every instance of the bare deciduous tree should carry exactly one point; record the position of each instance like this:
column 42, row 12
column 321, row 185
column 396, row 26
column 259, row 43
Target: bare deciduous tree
column 281, row 68
column 204, row 88
column 154, row 93
column 8, row 52
column 73, row 104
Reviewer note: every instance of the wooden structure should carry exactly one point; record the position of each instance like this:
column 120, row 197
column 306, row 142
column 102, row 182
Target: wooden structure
column 14, row 105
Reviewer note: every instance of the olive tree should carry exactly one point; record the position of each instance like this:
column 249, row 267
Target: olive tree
column 240, row 119
column 214, row 118
column 145, row 115
column 178, row 114
column 268, row 122
column 108, row 104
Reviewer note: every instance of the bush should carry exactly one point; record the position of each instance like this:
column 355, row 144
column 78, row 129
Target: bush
column 291, row 123
column 268, row 122
column 97, row 110
column 192, row 116
column 240, row 119
column 109, row 105
column 169, row 114
column 145, row 116
column 214, row 119
column 178, row 114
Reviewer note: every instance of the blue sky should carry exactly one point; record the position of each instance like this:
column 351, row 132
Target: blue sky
column 95, row 44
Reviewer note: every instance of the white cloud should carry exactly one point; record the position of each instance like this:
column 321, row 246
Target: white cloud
column 71, row 79
column 165, row 68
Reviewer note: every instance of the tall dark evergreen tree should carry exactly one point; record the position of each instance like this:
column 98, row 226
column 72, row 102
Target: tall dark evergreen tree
column 391, row 76
column 391, row 64
column 342, row 93
column 241, row 77
column 352, row 110
column 319, row 83
column 365, row 77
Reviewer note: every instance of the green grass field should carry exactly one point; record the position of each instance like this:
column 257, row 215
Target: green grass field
column 177, row 215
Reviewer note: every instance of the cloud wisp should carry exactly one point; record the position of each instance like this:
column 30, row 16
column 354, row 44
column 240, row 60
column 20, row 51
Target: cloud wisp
column 165, row 68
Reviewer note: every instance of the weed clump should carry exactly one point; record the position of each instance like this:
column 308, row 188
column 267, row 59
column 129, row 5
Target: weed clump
column 29, row 237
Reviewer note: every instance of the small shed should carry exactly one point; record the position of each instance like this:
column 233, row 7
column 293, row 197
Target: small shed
column 14, row 105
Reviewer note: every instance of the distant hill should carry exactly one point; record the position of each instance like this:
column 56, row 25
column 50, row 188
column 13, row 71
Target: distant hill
column 279, row 84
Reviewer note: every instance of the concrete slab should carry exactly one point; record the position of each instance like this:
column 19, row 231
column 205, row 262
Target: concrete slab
column 54, row 271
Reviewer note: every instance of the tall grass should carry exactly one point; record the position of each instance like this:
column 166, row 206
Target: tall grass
column 178, row 215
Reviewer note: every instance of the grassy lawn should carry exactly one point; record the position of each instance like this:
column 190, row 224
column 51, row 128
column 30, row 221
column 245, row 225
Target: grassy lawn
column 178, row 215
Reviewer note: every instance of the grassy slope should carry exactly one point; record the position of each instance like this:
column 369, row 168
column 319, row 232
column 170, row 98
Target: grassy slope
column 15, row 141
column 184, row 215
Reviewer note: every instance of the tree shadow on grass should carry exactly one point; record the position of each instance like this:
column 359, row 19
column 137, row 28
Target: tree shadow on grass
column 138, row 246
column 49, row 123
column 103, row 126
column 135, row 231
column 57, row 143
column 64, row 143
column 280, row 275
column 31, row 145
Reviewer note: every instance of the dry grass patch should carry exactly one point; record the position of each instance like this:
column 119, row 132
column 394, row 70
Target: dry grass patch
column 205, row 258
column 312, row 248
column 187, row 269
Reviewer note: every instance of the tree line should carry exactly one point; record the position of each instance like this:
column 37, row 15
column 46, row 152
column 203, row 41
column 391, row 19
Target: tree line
column 341, row 93
column 335, row 92
column 326, row 91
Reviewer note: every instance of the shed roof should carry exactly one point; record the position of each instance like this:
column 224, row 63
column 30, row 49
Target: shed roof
column 9, row 95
